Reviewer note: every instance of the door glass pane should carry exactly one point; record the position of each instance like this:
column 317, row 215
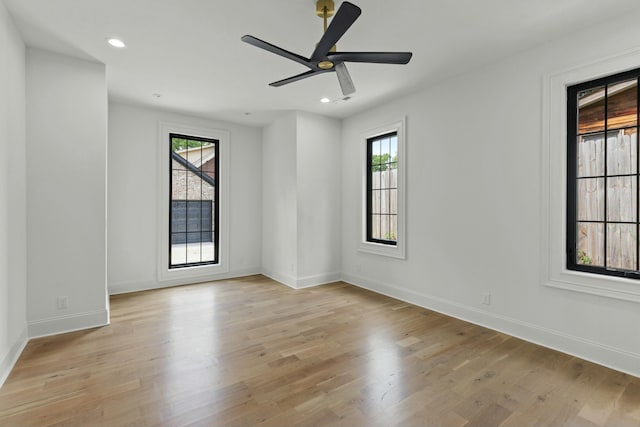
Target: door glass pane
column 193, row 194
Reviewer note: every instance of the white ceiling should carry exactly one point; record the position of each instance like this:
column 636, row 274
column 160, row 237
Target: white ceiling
column 190, row 50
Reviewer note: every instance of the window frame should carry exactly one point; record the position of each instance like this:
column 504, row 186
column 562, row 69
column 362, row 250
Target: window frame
column 397, row 250
column 194, row 273
column 553, row 204
column 369, row 191
column 572, row 216
column 215, row 210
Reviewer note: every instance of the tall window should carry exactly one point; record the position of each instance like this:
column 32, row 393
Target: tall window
column 602, row 176
column 382, row 189
column 193, row 207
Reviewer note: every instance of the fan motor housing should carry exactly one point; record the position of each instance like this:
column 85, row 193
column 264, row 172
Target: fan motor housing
column 325, row 65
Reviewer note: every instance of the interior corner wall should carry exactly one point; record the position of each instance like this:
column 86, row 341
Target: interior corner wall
column 279, row 200
column 134, row 189
column 301, row 199
column 318, row 161
column 66, row 104
column 13, row 228
column 474, row 224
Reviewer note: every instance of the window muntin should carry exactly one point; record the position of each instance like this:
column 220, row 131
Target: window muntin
column 382, row 189
column 602, row 176
column 193, row 207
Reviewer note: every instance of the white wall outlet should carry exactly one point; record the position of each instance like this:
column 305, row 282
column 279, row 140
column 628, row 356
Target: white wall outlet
column 486, row 299
column 62, row 303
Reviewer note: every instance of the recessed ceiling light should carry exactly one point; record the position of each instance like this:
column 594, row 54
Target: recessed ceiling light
column 325, row 100
column 115, row 42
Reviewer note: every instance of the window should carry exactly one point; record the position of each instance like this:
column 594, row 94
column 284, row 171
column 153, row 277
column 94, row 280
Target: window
column 382, row 189
column 602, row 176
column 200, row 174
column 193, row 207
column 559, row 268
column 383, row 178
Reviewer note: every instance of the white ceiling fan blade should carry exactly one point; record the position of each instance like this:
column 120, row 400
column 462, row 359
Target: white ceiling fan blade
column 346, row 84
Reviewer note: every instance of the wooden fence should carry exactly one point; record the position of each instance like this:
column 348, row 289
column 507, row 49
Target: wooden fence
column 621, row 199
column 385, row 204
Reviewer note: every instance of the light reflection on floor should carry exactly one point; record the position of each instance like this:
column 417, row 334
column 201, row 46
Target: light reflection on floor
column 383, row 370
column 192, row 367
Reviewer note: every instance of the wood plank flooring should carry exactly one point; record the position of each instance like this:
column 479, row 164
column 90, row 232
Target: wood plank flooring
column 252, row 352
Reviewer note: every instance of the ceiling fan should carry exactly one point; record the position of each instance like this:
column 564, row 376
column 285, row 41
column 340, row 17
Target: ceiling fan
column 325, row 58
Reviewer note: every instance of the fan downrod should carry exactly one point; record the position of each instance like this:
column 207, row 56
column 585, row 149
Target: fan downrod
column 326, row 9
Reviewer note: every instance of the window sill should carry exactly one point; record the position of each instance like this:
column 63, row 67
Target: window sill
column 191, row 273
column 594, row 284
column 392, row 251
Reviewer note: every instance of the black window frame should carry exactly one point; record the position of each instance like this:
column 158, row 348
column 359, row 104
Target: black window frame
column 572, row 178
column 369, row 212
column 216, row 207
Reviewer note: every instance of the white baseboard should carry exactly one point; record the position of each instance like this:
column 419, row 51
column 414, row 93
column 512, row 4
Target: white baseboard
column 9, row 360
column 611, row 357
column 68, row 323
column 317, row 279
column 303, row 282
column 138, row 286
column 285, row 279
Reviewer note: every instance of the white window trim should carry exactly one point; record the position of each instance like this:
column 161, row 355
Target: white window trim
column 201, row 272
column 554, row 182
column 397, row 250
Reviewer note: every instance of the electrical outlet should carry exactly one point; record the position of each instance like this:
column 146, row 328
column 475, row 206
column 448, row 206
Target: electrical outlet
column 486, row 299
column 62, row 303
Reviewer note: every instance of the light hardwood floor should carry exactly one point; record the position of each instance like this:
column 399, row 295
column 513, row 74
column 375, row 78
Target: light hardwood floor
column 251, row 352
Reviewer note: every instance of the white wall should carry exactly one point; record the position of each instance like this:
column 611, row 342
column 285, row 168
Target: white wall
column 318, row 195
column 13, row 231
column 279, row 200
column 474, row 205
column 301, row 199
column 66, row 192
column 134, row 189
